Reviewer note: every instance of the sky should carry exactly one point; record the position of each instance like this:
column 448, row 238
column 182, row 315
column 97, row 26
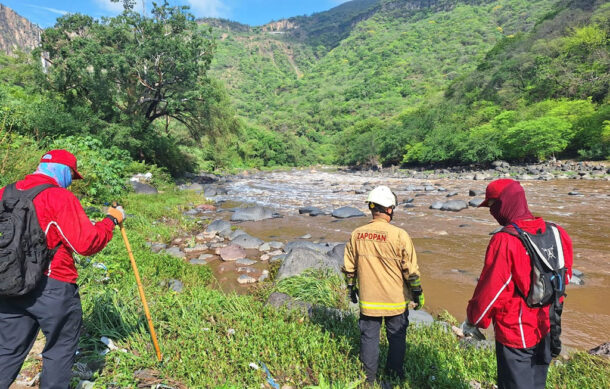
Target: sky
column 252, row 12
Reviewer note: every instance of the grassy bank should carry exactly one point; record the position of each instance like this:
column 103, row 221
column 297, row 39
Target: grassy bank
column 209, row 339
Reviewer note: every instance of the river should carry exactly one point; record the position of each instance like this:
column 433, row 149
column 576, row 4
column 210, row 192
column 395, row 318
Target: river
column 450, row 245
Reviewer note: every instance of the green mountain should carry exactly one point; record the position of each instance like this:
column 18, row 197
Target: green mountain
column 337, row 81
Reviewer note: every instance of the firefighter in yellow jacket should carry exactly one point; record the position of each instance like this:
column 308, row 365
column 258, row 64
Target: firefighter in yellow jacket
column 381, row 257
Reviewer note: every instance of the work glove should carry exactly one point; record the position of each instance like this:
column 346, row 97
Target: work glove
column 352, row 293
column 417, row 292
column 116, row 214
column 470, row 330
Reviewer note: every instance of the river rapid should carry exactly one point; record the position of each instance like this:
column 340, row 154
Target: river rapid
column 450, row 245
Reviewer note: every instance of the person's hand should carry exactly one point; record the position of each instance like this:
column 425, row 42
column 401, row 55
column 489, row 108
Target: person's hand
column 117, row 214
column 352, row 293
column 418, row 298
column 470, row 330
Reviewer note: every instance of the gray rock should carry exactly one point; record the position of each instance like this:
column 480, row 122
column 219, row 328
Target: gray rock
column 601, row 350
column 277, row 258
column 206, row 257
column 264, row 247
column 263, row 276
column 300, row 259
column 84, row 384
column 197, row 248
column 246, row 269
column 475, row 202
column 276, row 245
column 451, row 194
column 175, row 252
column 475, row 192
column 198, row 261
column 420, row 318
column 306, row 236
column 429, row 188
column 246, row 279
column 141, row 188
column 575, row 193
column 308, row 209
column 217, row 226
column 454, row 205
column 176, row 285
column 577, row 273
column 245, row 262
column 437, row 205
column 256, row 213
column 232, row 253
column 194, row 187
column 236, row 233
column 347, row 212
column 305, row 244
column 248, row 242
column 282, row 300
column 576, row 281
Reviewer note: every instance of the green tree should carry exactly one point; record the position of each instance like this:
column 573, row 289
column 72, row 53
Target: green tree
column 132, row 70
column 539, row 138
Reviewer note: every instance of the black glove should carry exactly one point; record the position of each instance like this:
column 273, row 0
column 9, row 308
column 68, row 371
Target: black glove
column 416, row 291
column 352, row 293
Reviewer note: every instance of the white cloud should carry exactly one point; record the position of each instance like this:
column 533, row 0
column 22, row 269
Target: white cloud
column 53, row 10
column 209, row 8
column 118, row 7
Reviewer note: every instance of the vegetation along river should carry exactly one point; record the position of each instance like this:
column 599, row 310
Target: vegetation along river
column 450, row 245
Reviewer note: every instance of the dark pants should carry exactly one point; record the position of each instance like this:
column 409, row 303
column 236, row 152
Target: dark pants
column 523, row 368
column 54, row 307
column 396, row 332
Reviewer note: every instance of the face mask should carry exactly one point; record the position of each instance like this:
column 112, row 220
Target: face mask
column 61, row 173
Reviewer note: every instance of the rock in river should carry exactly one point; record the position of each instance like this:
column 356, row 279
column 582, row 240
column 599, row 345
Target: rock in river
column 475, row 202
column 437, row 205
column 347, row 212
column 218, row 226
column 248, row 242
column 252, row 214
column 232, row 253
column 454, row 205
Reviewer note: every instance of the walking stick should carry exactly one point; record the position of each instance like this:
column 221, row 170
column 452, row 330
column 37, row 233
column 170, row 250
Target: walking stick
column 141, row 290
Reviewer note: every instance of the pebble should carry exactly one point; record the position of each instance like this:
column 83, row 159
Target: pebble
column 306, row 236
column 245, row 279
column 245, row 262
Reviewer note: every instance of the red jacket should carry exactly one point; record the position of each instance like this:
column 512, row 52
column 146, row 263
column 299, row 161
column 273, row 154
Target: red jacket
column 496, row 298
column 63, row 219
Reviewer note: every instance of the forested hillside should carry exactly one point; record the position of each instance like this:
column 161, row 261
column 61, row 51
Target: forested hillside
column 405, row 84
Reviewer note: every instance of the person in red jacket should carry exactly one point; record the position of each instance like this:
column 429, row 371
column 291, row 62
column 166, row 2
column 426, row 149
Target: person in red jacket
column 54, row 305
column 522, row 333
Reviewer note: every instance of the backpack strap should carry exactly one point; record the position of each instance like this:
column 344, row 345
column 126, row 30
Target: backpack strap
column 11, row 191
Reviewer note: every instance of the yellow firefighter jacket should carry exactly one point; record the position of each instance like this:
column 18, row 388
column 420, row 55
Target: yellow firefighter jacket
column 382, row 257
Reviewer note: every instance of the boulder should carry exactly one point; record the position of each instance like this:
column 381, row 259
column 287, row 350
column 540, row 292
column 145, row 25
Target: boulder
column 475, row 192
column 264, row 247
column 347, row 212
column 311, row 209
column 217, row 226
column 305, row 244
column 282, row 300
column 236, row 233
column 475, row 202
column 454, row 205
column 451, row 194
column 420, row 318
column 248, row 242
column 141, row 188
column 252, row 214
column 437, row 205
column 276, row 245
column 601, row 350
column 156, row 247
column 232, row 253
column 300, row 259
column 175, row 285
column 576, row 281
column 577, row 273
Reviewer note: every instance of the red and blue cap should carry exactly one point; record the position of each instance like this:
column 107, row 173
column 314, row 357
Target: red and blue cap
column 63, row 157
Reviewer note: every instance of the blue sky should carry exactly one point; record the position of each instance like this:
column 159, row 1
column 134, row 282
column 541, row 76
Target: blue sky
column 253, row 12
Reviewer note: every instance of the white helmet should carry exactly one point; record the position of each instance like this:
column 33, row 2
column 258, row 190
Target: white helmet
column 383, row 196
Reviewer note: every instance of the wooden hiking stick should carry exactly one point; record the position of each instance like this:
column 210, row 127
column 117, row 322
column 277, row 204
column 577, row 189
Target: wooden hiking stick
column 141, row 290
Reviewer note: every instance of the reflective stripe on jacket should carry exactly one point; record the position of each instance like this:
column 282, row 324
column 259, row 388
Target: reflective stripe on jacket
column 382, row 257
column 496, row 297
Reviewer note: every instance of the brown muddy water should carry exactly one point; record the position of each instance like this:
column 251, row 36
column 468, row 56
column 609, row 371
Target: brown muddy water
column 450, row 245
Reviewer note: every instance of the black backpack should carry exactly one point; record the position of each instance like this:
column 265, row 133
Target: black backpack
column 547, row 276
column 24, row 256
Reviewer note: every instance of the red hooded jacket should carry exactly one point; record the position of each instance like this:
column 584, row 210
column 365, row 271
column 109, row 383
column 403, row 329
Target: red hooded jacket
column 508, row 267
column 64, row 221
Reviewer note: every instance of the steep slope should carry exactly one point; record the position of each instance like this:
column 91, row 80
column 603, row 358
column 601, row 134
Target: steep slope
column 16, row 32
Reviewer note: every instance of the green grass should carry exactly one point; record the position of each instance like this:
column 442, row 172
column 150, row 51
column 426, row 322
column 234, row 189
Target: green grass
column 209, row 339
